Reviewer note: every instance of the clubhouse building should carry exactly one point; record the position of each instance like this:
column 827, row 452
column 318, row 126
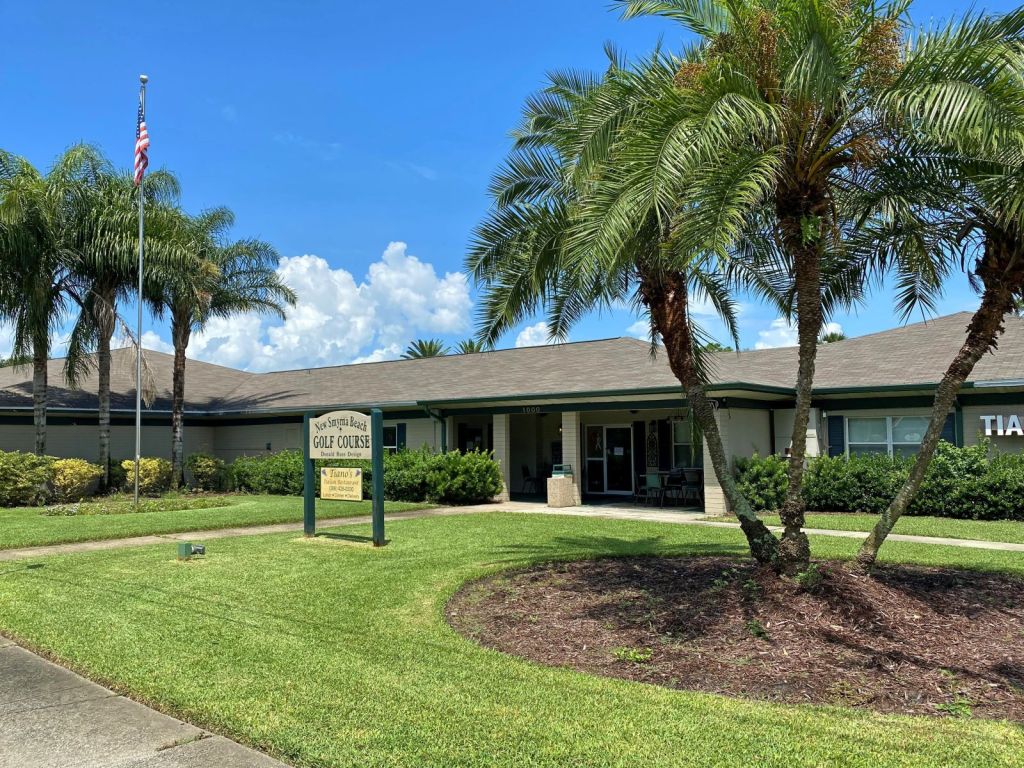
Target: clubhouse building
column 607, row 409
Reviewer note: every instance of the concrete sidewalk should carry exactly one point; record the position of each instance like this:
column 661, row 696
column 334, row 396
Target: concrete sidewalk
column 53, row 718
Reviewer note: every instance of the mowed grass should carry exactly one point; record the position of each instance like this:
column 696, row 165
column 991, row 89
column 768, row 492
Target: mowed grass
column 328, row 652
column 26, row 527
column 943, row 527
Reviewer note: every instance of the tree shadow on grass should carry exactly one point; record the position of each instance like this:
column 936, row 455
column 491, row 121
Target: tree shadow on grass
column 587, row 547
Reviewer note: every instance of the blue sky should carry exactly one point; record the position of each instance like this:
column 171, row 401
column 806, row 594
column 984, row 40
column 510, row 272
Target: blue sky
column 358, row 138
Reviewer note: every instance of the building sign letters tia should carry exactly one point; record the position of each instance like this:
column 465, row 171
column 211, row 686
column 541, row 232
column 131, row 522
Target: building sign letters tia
column 1003, row 427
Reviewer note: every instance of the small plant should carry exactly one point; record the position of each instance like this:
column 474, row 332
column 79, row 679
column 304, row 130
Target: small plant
column 24, row 479
column 633, row 655
column 751, row 589
column 757, row 629
column 725, row 578
column 959, row 705
column 810, row 579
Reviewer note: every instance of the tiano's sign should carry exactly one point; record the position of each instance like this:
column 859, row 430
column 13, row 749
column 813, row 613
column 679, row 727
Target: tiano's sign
column 1000, row 426
column 340, row 435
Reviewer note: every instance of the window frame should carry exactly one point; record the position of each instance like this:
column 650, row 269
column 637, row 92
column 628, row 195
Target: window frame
column 890, row 444
column 390, row 448
column 688, row 443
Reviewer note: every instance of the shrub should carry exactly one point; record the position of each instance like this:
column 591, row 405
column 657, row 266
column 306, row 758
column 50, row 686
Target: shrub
column 277, row 474
column 451, row 478
column 854, row 484
column 208, row 472
column 119, row 475
column 463, row 478
column 74, row 479
column 24, row 479
column 963, row 482
column 406, row 475
column 763, row 481
column 154, row 475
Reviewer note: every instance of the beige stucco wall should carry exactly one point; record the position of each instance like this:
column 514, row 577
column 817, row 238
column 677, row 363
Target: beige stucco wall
column 974, row 426
column 82, row 440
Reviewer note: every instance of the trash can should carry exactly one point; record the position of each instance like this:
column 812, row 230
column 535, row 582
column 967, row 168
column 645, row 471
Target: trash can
column 561, row 489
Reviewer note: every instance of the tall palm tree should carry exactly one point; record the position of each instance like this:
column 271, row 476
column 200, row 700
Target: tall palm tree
column 37, row 215
column 231, row 277
column 472, row 346
column 781, row 110
column 425, row 348
column 541, row 249
column 106, row 268
column 975, row 211
column 832, row 336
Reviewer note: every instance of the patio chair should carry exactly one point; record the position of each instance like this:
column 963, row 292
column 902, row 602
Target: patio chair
column 653, row 488
column 674, row 486
column 531, row 484
column 693, row 485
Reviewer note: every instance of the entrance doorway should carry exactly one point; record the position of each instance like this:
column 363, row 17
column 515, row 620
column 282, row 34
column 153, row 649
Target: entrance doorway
column 609, row 458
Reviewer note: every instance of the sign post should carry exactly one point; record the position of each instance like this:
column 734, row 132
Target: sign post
column 343, row 435
column 308, row 484
column 377, row 428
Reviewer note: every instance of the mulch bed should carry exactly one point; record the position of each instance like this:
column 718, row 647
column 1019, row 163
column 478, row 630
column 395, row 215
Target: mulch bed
column 907, row 639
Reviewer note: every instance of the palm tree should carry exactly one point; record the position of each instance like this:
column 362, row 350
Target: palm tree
column 976, row 209
column 106, row 266
column 472, row 346
column 425, row 348
column 540, row 249
column 230, row 278
column 37, row 214
column 832, row 336
column 780, row 112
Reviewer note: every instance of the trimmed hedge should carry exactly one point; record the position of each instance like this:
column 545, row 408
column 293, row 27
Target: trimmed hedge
column 449, row 478
column 24, row 479
column 74, row 479
column 971, row 483
column 208, row 473
column 154, row 475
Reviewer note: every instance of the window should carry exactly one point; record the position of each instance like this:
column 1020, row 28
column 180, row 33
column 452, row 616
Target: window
column 682, row 445
column 390, row 439
column 886, row 435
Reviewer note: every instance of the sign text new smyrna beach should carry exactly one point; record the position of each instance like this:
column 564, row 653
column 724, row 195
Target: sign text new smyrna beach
column 340, row 435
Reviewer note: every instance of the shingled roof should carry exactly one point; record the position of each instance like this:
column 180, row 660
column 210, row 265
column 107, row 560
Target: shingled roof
column 913, row 355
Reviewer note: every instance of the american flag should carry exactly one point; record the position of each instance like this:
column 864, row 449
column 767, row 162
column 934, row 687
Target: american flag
column 141, row 145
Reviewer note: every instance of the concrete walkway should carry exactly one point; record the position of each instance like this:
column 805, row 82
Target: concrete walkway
column 686, row 517
column 607, row 511
column 53, row 718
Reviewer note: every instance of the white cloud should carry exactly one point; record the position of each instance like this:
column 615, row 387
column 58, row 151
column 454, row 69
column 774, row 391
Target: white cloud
column 641, row 329
column 338, row 320
column 782, row 333
column 151, row 340
column 535, row 335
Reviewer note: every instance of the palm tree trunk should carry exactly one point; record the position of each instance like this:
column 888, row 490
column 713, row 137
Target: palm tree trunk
column 39, row 392
column 180, row 336
column 983, row 333
column 666, row 298
column 795, row 549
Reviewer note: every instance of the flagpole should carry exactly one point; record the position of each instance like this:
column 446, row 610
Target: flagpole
column 143, row 79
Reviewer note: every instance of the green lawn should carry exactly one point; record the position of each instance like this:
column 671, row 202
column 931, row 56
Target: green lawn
column 328, row 652
column 981, row 530
column 26, row 527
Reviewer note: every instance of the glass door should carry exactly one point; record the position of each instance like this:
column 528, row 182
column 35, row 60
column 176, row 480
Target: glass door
column 595, row 459
column 618, row 470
